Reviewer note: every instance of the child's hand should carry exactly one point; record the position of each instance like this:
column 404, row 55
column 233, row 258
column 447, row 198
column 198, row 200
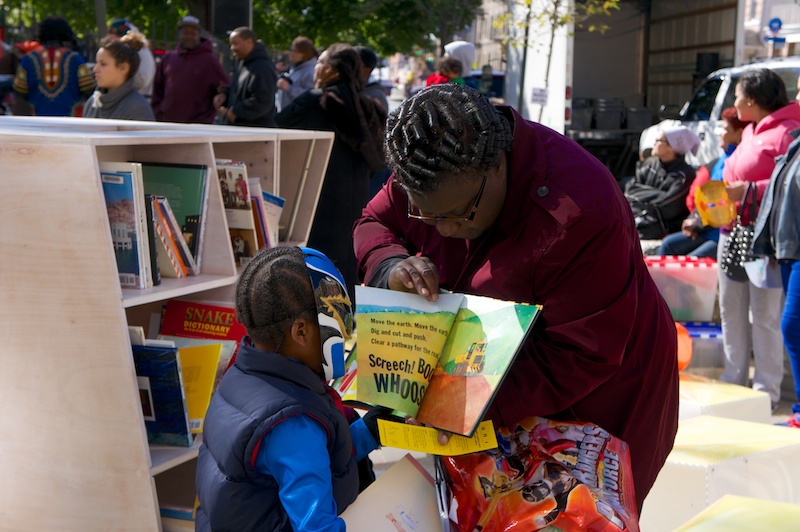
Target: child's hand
column 371, row 420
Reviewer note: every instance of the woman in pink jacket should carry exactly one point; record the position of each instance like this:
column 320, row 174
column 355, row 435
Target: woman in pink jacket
column 760, row 99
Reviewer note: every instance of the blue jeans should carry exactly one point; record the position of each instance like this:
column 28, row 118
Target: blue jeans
column 790, row 321
column 678, row 244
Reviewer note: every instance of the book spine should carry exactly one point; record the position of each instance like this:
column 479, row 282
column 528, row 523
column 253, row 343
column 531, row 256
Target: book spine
column 170, row 245
column 151, row 238
column 177, row 234
column 141, row 228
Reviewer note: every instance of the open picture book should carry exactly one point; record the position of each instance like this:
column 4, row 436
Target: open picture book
column 441, row 362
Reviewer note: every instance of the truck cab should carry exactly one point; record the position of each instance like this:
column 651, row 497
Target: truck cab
column 702, row 113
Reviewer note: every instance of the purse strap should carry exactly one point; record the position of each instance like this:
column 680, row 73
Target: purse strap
column 751, row 186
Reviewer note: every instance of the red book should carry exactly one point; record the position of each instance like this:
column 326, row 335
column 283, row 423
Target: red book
column 192, row 319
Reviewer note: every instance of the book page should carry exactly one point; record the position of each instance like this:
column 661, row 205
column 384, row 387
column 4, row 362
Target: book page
column 400, row 337
column 483, row 342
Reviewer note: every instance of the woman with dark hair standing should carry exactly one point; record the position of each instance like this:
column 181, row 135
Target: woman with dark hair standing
column 761, row 100
column 116, row 97
column 338, row 104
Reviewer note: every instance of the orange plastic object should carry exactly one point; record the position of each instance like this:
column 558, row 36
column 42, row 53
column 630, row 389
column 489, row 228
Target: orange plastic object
column 713, row 204
column 684, row 347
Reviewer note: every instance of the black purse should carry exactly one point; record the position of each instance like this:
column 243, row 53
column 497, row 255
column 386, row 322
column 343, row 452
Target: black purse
column 738, row 247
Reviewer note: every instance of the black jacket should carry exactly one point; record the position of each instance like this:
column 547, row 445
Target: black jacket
column 251, row 95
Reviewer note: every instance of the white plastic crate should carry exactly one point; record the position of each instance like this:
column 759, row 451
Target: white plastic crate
column 687, row 284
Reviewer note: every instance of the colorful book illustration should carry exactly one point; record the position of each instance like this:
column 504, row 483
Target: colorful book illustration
column 177, row 235
column 199, row 367
column 184, row 185
column 234, row 186
column 402, row 498
column 441, row 362
column 127, row 219
column 161, row 390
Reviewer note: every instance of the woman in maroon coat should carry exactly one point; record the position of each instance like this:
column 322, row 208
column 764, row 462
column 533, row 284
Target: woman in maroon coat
column 484, row 202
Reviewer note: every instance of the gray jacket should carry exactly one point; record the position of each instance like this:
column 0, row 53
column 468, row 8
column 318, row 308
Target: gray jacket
column 777, row 232
column 122, row 103
column 302, row 76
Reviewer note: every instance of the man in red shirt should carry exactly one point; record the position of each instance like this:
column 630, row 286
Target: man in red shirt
column 484, row 202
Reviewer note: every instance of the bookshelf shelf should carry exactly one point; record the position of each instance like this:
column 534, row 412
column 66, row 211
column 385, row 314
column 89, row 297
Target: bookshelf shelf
column 68, row 376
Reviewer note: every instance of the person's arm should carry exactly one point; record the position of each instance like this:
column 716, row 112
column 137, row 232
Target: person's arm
column 295, row 453
column 300, row 113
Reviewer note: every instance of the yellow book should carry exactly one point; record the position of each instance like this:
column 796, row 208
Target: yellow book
column 199, row 367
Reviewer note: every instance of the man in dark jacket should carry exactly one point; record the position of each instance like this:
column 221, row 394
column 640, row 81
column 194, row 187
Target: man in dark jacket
column 250, row 100
column 188, row 79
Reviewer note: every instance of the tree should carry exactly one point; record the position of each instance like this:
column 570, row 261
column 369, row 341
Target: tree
column 550, row 16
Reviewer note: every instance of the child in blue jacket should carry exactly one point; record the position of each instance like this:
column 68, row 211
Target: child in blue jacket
column 278, row 451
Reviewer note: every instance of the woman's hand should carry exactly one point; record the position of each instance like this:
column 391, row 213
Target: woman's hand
column 690, row 228
column 736, row 190
column 416, row 274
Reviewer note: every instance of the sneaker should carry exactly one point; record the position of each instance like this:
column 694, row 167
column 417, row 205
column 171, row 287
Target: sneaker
column 793, row 421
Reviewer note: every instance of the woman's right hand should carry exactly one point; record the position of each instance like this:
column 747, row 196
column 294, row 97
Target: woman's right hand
column 690, row 228
column 416, row 274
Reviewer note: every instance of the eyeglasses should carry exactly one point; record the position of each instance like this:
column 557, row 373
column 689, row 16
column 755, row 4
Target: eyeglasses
column 460, row 219
column 662, row 141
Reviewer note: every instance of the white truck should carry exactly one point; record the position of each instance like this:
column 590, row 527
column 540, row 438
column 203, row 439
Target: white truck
column 702, row 112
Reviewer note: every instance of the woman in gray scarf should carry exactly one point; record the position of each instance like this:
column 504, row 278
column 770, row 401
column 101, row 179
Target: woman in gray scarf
column 115, row 97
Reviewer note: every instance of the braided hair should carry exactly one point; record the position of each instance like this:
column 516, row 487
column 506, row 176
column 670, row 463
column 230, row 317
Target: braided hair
column 445, row 129
column 273, row 290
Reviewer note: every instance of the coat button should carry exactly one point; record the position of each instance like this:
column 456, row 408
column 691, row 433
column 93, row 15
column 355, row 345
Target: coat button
column 542, row 191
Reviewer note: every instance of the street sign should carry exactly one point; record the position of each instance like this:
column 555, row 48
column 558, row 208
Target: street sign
column 775, row 25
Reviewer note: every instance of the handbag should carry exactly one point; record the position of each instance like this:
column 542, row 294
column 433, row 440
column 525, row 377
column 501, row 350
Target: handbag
column 738, row 247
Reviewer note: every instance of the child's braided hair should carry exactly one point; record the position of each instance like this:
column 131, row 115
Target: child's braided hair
column 273, row 290
column 444, row 130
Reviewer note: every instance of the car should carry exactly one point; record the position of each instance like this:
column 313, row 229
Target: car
column 702, row 112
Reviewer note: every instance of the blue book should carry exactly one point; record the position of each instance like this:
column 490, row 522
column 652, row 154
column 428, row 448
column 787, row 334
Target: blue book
column 123, row 217
column 158, row 372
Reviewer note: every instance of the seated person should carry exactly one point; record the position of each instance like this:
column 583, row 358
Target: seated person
column 657, row 193
column 449, row 71
column 694, row 239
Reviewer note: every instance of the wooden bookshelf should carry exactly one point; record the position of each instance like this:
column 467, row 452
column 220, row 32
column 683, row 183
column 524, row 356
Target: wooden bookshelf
column 75, row 452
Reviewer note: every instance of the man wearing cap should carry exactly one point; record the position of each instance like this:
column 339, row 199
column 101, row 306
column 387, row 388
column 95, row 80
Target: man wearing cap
column 143, row 79
column 250, row 100
column 188, row 79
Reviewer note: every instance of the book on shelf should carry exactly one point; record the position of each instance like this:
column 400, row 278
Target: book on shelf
column 233, row 183
column 168, row 250
column 259, row 213
column 273, row 207
column 402, row 498
column 162, row 393
column 440, row 362
column 150, row 213
column 176, row 234
column 199, row 368
column 185, row 186
column 123, row 191
column 227, row 349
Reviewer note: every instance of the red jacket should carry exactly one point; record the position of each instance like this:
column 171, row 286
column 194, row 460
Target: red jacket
column 185, row 85
column 605, row 348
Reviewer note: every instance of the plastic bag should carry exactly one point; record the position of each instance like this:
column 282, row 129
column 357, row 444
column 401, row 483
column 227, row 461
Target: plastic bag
column 568, row 475
column 713, row 204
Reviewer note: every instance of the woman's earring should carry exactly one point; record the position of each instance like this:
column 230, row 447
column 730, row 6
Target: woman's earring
column 749, row 104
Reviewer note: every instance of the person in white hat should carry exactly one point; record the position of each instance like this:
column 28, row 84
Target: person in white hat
column 657, row 193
